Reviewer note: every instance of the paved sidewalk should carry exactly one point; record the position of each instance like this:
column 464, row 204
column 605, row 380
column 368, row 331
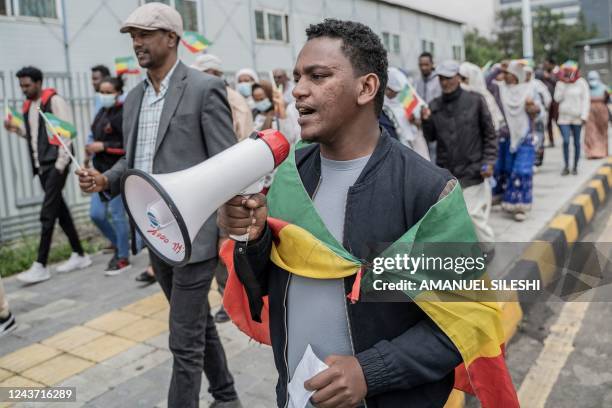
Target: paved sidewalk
column 108, row 335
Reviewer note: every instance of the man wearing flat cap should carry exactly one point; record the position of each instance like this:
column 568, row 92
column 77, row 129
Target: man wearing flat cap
column 461, row 124
column 177, row 118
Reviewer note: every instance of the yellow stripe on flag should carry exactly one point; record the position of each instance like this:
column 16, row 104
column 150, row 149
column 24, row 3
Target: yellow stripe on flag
column 299, row 252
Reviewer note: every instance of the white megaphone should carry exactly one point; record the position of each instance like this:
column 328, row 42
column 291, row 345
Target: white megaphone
column 169, row 209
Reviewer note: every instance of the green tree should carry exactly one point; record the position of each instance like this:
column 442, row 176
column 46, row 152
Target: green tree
column 553, row 38
column 510, row 33
column 480, row 50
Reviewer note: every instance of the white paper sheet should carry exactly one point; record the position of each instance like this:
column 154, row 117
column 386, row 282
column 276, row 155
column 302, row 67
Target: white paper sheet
column 308, row 367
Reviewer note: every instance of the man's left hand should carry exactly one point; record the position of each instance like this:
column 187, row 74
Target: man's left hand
column 95, row 147
column 342, row 385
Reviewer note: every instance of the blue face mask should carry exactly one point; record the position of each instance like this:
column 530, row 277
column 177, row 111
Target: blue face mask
column 245, row 89
column 264, row 105
column 107, row 100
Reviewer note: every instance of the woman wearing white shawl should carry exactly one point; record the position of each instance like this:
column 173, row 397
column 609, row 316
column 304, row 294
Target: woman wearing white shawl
column 473, row 80
column 408, row 134
column 514, row 168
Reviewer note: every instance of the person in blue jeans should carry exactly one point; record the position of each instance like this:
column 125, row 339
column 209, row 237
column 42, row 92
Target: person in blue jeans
column 106, row 148
column 573, row 95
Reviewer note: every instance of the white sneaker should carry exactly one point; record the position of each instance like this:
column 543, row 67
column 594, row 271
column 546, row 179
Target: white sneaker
column 36, row 273
column 76, row 261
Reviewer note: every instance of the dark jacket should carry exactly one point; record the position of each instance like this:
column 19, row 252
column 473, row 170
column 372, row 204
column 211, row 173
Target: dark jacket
column 195, row 124
column 46, row 152
column 406, row 359
column 106, row 128
column 461, row 124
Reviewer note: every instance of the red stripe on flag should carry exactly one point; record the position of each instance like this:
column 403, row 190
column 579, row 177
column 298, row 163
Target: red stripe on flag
column 489, row 380
column 410, row 108
column 236, row 302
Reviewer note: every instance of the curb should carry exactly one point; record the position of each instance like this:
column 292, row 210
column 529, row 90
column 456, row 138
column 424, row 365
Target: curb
column 545, row 255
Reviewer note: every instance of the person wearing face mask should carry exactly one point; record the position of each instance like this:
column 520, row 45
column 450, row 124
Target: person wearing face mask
column 244, row 79
column 596, row 132
column 270, row 112
column 107, row 148
column 394, row 115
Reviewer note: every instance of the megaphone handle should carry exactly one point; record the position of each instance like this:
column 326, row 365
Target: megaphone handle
column 247, row 193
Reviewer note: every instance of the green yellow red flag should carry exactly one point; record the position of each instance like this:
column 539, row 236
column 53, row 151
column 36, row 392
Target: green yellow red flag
column 126, row 65
column 195, row 42
column 14, row 117
column 303, row 246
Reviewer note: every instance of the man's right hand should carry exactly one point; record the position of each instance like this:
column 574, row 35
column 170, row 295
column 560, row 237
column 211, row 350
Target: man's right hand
column 9, row 127
column 242, row 214
column 425, row 113
column 91, row 180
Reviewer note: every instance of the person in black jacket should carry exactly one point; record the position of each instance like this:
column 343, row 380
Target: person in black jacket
column 461, row 123
column 107, row 148
column 367, row 188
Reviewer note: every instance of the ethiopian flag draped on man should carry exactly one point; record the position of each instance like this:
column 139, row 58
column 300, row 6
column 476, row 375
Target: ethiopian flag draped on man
column 303, row 246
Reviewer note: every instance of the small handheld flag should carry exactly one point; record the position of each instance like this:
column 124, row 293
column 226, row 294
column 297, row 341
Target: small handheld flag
column 195, row 42
column 126, row 65
column 59, row 129
column 410, row 100
column 14, row 118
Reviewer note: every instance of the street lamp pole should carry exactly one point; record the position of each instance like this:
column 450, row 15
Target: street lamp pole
column 527, row 31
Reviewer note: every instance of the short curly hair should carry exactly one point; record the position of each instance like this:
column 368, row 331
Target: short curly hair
column 361, row 46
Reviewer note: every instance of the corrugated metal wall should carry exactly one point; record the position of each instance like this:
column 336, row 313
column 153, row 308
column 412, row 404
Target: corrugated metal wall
column 21, row 194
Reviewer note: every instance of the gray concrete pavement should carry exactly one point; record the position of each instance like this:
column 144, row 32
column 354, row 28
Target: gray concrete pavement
column 139, row 376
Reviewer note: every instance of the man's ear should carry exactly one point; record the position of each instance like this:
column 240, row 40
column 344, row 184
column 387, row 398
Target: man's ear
column 368, row 88
column 173, row 39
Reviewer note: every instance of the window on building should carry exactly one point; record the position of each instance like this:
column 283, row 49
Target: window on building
column 385, row 40
column 596, row 55
column 4, row 10
column 391, row 42
column 396, row 44
column 457, row 53
column 427, row 46
column 188, row 9
column 270, row 26
column 37, row 8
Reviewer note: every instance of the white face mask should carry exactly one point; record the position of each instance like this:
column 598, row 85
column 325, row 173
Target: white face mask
column 107, row 100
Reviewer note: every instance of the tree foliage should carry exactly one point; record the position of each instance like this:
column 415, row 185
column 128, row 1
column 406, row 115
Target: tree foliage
column 552, row 38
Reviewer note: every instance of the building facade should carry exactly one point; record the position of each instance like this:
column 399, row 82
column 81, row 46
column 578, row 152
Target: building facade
column 569, row 8
column 599, row 14
column 262, row 34
column 596, row 55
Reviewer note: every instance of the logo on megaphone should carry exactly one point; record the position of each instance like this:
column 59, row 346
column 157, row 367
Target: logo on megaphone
column 170, row 209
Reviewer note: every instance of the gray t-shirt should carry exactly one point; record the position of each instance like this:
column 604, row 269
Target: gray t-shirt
column 317, row 312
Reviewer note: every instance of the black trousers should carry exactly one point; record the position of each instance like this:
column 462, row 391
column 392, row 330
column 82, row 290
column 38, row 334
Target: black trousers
column 194, row 341
column 54, row 208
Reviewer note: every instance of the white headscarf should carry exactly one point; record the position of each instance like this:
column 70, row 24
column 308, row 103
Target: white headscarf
column 476, row 83
column 513, row 98
column 396, row 82
column 246, row 71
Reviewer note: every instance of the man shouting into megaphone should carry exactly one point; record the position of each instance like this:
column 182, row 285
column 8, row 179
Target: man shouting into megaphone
column 350, row 186
column 176, row 118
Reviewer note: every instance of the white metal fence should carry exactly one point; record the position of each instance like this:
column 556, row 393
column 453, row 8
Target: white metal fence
column 21, row 194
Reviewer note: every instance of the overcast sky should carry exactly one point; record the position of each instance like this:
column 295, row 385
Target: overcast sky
column 476, row 13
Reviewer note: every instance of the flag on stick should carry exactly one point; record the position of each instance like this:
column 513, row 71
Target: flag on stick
column 195, row 42
column 126, row 65
column 58, row 130
column 410, row 100
column 14, row 118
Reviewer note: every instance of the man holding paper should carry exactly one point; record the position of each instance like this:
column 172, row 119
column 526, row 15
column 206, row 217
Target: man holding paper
column 297, row 283
column 50, row 161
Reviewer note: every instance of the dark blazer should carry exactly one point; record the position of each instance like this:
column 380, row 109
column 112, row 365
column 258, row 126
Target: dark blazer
column 406, row 359
column 196, row 123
